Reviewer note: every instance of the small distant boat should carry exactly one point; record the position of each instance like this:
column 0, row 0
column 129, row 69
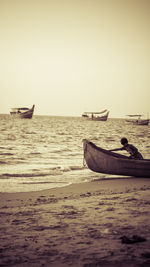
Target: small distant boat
column 85, row 115
column 97, row 116
column 137, row 120
column 104, row 161
column 23, row 113
column 142, row 122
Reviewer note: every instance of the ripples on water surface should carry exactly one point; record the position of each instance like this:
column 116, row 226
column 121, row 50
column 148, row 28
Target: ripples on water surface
column 47, row 152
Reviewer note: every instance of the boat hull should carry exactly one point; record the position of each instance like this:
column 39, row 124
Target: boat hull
column 103, row 161
column 138, row 122
column 100, row 118
column 24, row 115
column 143, row 122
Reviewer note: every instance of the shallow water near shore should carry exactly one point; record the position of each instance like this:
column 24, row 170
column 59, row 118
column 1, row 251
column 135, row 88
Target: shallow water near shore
column 46, row 151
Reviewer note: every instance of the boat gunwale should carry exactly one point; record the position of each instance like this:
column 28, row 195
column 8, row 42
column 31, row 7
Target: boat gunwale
column 113, row 154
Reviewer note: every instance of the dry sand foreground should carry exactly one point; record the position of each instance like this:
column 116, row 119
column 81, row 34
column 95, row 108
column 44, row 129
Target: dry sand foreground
column 78, row 225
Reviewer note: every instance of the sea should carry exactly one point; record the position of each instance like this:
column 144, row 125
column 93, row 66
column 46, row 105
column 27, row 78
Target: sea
column 47, row 151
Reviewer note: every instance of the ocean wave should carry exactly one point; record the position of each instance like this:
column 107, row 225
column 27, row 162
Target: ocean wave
column 7, row 147
column 77, row 168
column 3, row 162
column 30, row 132
column 6, row 154
column 45, row 182
column 32, row 174
column 34, row 153
column 13, row 161
column 52, row 171
column 110, row 139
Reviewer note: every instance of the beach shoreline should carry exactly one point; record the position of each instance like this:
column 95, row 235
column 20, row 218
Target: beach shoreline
column 77, row 225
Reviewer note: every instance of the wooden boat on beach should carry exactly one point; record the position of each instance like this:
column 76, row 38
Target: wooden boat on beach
column 23, row 113
column 137, row 120
column 103, row 161
column 97, row 116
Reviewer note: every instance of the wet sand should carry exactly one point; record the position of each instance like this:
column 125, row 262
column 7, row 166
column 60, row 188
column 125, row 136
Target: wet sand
column 100, row 223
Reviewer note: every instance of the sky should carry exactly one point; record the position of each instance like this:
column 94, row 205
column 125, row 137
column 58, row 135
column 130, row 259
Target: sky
column 72, row 56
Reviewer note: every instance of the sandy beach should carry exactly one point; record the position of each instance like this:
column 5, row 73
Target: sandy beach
column 99, row 223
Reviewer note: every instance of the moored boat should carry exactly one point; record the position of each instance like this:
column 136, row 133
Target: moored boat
column 97, row 116
column 103, row 161
column 142, row 122
column 23, row 113
column 137, row 120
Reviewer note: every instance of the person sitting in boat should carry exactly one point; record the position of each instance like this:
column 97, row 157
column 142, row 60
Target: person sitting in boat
column 133, row 151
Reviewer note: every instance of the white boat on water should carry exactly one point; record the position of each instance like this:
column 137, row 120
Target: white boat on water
column 23, row 113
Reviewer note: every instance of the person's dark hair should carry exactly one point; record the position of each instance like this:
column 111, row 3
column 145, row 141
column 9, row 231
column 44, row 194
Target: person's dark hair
column 124, row 141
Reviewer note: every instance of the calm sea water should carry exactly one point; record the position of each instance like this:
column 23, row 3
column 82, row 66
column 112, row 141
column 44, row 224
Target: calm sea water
column 46, row 152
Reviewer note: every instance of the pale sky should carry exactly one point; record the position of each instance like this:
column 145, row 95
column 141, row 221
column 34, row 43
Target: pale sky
column 71, row 56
